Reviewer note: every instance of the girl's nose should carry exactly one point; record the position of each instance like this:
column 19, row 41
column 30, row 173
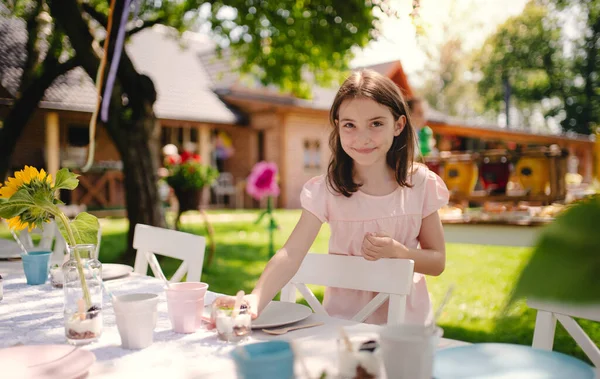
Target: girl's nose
column 364, row 137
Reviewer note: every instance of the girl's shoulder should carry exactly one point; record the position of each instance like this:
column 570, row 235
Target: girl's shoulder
column 419, row 175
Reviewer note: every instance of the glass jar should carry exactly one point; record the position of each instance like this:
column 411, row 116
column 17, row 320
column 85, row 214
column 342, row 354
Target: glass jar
column 82, row 297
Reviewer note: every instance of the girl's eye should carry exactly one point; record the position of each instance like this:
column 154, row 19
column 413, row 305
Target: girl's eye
column 377, row 124
column 349, row 125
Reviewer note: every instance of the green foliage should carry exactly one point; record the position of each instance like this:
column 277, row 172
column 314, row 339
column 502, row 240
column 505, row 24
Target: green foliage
column 191, row 175
column 291, row 44
column 529, row 51
column 65, row 179
column 565, row 264
column 525, row 50
column 84, row 227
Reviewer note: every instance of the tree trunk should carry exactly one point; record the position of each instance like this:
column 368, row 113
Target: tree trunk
column 138, row 145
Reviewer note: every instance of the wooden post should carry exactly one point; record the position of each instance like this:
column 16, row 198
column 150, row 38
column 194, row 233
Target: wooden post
column 52, row 143
column 204, row 149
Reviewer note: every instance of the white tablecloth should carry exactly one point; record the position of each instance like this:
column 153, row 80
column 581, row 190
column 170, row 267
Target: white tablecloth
column 34, row 315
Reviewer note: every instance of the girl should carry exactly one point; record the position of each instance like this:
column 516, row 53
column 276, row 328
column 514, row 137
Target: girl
column 378, row 204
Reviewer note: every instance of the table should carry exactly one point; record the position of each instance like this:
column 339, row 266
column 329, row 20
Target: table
column 492, row 234
column 33, row 315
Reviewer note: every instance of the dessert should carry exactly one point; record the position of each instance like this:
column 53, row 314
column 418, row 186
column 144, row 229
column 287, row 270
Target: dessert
column 83, row 327
column 361, row 362
column 231, row 326
column 56, row 276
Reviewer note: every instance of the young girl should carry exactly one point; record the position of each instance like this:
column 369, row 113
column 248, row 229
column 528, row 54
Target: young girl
column 377, row 203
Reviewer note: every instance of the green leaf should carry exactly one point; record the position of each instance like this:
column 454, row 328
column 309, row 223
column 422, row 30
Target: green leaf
column 17, row 204
column 260, row 217
column 65, row 179
column 84, row 227
column 565, row 265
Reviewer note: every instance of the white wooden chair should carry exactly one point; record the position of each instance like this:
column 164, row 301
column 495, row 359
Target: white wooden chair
column 545, row 325
column 392, row 278
column 171, row 243
column 50, row 239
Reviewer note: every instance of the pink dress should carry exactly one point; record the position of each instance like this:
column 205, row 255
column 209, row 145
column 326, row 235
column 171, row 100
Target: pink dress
column 397, row 214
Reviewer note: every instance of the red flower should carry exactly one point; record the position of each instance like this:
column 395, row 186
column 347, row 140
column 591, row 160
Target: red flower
column 173, row 159
column 186, row 156
column 263, row 181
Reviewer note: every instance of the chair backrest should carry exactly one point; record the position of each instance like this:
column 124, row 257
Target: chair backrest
column 50, row 239
column 171, row 243
column 224, row 184
column 392, row 278
column 545, row 325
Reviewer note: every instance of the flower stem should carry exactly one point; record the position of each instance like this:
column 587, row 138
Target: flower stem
column 73, row 243
column 271, row 226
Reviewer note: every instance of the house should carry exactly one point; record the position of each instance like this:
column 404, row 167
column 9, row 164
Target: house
column 203, row 101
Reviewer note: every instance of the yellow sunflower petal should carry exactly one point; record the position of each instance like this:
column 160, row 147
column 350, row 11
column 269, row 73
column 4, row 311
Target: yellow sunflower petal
column 16, row 224
column 7, row 191
column 42, row 175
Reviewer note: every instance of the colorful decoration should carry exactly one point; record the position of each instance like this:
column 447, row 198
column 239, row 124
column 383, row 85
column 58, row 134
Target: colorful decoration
column 262, row 183
column 223, row 146
column 425, row 140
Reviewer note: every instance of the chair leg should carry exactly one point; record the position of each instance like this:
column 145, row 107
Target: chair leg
column 545, row 327
column 288, row 293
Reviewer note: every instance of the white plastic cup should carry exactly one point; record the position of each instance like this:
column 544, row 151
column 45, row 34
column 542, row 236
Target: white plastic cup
column 408, row 350
column 136, row 315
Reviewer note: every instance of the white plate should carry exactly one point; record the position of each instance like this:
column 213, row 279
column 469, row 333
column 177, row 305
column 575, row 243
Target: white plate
column 279, row 313
column 9, row 249
column 46, row 361
column 114, row 271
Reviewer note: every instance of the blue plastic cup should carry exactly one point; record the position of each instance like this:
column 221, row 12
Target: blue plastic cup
column 264, row 360
column 36, row 265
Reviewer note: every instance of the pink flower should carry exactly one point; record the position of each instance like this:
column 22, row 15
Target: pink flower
column 262, row 181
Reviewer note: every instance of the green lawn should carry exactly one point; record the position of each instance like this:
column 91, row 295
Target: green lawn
column 483, row 276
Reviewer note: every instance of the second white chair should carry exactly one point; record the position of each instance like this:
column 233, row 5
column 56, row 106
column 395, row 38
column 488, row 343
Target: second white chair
column 392, row 278
column 545, row 325
column 171, row 243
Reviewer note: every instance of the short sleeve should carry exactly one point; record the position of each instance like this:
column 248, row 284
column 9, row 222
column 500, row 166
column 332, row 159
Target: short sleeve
column 436, row 194
column 313, row 197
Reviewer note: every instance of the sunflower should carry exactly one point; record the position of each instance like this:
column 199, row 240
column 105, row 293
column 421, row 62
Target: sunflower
column 26, row 176
column 34, row 182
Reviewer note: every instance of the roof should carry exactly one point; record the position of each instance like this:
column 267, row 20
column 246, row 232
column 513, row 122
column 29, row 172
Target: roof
column 183, row 85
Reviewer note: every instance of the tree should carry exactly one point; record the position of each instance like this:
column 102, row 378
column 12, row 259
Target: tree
column 448, row 85
column 582, row 97
column 42, row 60
column 524, row 57
column 528, row 53
column 276, row 41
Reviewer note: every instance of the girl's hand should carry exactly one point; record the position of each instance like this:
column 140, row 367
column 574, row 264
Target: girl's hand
column 378, row 245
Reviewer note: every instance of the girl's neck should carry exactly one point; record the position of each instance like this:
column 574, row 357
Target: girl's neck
column 377, row 179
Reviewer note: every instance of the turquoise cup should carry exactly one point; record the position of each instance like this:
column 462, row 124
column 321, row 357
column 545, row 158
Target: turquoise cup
column 36, row 265
column 264, row 360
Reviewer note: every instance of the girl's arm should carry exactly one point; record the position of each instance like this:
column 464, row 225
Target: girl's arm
column 430, row 259
column 284, row 265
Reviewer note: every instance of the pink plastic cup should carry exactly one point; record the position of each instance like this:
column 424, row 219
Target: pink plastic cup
column 185, row 302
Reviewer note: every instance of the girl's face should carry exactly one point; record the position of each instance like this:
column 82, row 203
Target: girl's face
column 367, row 130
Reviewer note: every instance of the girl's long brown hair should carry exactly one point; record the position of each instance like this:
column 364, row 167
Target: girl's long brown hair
column 369, row 84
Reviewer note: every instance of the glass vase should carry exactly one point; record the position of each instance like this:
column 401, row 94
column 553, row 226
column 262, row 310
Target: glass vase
column 82, row 285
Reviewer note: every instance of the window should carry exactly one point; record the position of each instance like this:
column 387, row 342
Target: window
column 78, row 135
column 312, row 154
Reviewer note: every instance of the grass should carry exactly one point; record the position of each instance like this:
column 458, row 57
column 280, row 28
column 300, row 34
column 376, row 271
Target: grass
column 483, row 276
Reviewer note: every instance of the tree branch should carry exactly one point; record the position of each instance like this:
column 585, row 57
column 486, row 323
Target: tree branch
column 69, row 16
column 147, row 24
column 31, row 60
column 100, row 17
